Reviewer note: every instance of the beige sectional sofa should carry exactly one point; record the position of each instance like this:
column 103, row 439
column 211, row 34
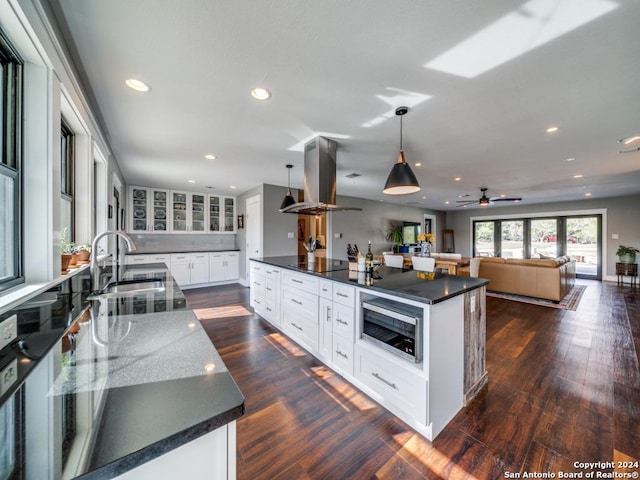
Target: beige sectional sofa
column 535, row 277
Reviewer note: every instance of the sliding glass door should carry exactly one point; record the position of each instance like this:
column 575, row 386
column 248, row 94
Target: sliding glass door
column 583, row 243
column 579, row 237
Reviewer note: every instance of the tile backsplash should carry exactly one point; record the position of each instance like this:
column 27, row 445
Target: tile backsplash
column 182, row 242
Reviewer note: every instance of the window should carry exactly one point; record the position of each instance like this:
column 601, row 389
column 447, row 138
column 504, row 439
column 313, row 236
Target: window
column 578, row 236
column 10, row 150
column 67, row 179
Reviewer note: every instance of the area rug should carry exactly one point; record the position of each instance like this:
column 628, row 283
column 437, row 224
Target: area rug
column 570, row 301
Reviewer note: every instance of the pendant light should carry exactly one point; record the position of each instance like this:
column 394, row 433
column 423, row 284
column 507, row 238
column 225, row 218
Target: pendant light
column 401, row 180
column 288, row 199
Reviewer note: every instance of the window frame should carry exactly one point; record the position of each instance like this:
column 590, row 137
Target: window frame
column 11, row 148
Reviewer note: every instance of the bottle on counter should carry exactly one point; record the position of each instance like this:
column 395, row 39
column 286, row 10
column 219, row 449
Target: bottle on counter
column 368, row 266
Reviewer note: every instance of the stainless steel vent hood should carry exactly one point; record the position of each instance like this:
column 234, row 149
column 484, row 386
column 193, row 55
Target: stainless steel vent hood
column 319, row 180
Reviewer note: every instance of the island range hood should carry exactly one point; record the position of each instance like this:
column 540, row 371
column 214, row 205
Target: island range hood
column 319, row 180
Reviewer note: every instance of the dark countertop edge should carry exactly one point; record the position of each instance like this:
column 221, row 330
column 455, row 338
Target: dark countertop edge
column 477, row 283
column 178, row 250
column 166, row 445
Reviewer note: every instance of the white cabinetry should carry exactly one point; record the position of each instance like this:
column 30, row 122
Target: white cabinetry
column 148, row 210
column 188, row 212
column 257, row 283
column 190, row 268
column 153, row 210
column 272, row 294
column 300, row 309
column 222, row 214
column 136, row 259
column 224, row 266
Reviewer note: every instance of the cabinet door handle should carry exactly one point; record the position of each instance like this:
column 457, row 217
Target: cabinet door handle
column 328, row 314
column 296, row 301
column 342, row 295
column 339, row 320
column 257, row 301
column 343, row 355
column 296, row 280
column 256, row 283
column 268, row 309
column 294, row 325
column 268, row 289
column 392, row 385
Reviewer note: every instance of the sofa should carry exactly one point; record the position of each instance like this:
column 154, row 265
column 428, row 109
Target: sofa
column 550, row 279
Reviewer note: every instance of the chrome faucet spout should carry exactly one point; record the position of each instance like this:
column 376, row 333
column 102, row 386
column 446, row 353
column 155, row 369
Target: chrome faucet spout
column 94, row 270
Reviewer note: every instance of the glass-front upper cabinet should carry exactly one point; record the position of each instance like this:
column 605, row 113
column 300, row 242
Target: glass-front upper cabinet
column 214, row 213
column 229, row 215
column 148, row 210
column 222, row 214
column 188, row 212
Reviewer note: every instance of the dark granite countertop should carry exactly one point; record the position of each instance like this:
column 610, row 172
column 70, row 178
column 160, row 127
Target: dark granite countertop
column 140, row 364
column 142, row 251
column 395, row 281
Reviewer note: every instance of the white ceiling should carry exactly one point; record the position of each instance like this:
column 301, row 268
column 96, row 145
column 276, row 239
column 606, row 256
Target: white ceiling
column 479, row 113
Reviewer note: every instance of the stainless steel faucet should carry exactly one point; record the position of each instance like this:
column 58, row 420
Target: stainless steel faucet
column 94, row 269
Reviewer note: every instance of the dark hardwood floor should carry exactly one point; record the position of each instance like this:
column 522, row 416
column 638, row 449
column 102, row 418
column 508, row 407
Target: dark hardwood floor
column 564, row 387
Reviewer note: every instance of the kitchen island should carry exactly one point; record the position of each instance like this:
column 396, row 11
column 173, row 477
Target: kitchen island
column 414, row 342
column 122, row 385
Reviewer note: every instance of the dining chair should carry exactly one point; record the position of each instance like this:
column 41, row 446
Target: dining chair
column 393, row 260
column 423, row 264
column 474, row 267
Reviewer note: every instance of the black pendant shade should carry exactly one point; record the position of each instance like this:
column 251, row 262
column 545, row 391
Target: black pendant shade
column 401, row 179
column 288, row 199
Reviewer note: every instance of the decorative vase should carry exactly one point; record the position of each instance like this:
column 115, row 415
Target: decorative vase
column 83, row 256
column 627, row 258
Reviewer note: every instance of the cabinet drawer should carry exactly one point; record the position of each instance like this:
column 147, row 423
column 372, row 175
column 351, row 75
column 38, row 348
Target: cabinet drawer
column 325, row 289
column 159, row 258
column 342, row 354
column 344, row 294
column 344, row 321
column 298, row 300
column 397, row 384
column 303, row 330
column 135, row 259
column 304, row 282
column 180, row 257
column 270, row 288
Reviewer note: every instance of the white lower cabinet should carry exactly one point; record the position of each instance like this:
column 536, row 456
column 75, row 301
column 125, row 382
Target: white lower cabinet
column 325, row 337
column 272, row 295
column 224, row 266
column 135, row 260
column 159, row 258
column 300, row 316
column 342, row 355
column 399, row 387
column 257, row 282
column 190, row 268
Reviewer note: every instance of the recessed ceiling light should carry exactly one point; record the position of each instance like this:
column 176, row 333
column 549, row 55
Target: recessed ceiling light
column 418, row 164
column 588, row 194
column 233, row 187
column 260, row 93
column 502, row 195
column 208, row 156
column 571, row 159
column 137, row 85
column 424, row 198
column 457, row 179
column 552, row 129
column 579, row 175
column 447, row 202
column 191, row 181
column 629, row 140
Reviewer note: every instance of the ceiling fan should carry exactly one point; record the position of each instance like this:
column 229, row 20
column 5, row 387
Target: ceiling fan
column 485, row 201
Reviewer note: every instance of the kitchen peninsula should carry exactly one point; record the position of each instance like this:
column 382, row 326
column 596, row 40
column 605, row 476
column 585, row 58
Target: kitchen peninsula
column 414, row 342
column 120, row 384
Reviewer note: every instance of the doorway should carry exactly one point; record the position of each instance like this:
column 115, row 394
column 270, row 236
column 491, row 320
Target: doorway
column 253, row 228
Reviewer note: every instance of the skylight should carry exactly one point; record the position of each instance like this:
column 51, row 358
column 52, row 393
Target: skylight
column 533, row 24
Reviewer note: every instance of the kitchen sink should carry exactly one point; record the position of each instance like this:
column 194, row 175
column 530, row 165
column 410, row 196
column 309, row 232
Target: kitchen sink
column 130, row 287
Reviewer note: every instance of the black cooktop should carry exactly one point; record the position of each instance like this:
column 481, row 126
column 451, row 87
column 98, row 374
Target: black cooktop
column 321, row 265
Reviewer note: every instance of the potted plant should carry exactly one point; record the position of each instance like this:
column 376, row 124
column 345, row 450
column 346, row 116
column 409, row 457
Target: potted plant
column 84, row 252
column 67, row 249
column 627, row 254
column 395, row 236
